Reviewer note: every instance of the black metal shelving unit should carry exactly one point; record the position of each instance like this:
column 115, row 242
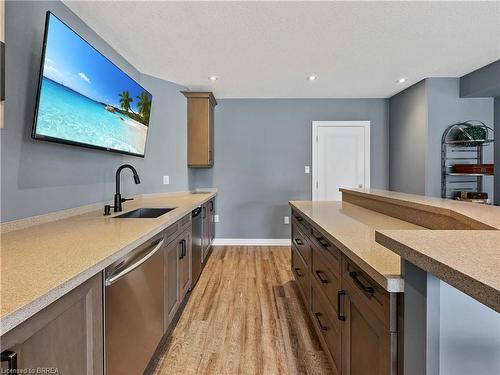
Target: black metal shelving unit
column 462, row 151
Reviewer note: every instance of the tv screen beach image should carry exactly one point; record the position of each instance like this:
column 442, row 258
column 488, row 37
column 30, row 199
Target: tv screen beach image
column 85, row 98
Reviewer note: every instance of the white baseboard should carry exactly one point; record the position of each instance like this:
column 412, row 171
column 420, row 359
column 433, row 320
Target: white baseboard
column 251, row 242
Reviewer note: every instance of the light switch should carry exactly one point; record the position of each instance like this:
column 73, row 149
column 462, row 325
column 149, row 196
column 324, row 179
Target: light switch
column 216, row 218
column 307, row 169
column 166, row 180
column 286, row 219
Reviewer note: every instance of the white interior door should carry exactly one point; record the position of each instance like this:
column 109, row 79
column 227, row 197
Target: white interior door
column 341, row 157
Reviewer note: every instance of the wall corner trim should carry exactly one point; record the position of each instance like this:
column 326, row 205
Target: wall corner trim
column 251, row 242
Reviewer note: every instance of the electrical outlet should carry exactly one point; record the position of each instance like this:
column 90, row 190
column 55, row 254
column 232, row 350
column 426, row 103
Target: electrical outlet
column 166, row 180
column 286, row 219
column 307, row 169
column 216, row 218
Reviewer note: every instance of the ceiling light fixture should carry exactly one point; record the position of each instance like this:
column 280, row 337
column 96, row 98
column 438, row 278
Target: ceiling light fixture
column 401, row 80
column 312, row 78
column 212, row 78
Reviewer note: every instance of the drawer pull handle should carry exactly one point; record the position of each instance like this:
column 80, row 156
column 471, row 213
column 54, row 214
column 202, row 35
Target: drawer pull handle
column 297, row 270
column 322, row 242
column 364, row 288
column 181, row 255
column 322, row 277
column 340, row 293
column 299, row 218
column 321, row 326
column 298, row 241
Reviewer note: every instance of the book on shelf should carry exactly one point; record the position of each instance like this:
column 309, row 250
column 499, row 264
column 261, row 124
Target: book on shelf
column 482, row 201
column 473, row 168
column 471, row 195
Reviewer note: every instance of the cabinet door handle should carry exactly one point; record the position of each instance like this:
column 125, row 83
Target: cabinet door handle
column 298, row 241
column 298, row 272
column 340, row 293
column 11, row 359
column 360, row 285
column 322, row 277
column 120, row 272
column 299, row 218
column 322, row 242
column 2, row 68
column 321, row 326
column 204, row 212
column 181, row 242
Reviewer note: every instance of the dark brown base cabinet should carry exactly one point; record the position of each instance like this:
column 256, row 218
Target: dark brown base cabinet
column 64, row 338
column 208, row 227
column 354, row 317
column 177, row 266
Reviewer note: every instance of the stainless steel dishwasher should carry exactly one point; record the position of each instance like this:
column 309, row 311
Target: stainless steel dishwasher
column 134, row 308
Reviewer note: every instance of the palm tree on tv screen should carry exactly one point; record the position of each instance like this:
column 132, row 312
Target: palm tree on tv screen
column 125, row 101
column 144, row 106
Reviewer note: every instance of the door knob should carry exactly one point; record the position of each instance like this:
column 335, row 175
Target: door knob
column 360, row 186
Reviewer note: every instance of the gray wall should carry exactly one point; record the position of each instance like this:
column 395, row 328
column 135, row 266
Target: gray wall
column 469, row 335
column 40, row 177
column 261, row 148
column 408, row 139
column 483, row 82
column 446, row 107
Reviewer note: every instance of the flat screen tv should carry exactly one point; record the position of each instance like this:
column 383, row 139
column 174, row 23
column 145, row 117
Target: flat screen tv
column 84, row 99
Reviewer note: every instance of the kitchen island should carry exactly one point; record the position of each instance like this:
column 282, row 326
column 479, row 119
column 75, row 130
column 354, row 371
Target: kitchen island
column 392, row 250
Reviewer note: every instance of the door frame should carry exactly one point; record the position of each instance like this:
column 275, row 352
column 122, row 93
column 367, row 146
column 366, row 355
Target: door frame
column 315, row 126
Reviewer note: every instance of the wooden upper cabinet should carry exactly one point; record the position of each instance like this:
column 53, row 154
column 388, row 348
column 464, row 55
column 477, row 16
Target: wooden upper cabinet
column 200, row 123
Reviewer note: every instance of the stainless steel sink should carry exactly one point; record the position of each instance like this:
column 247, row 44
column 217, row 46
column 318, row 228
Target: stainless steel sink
column 144, row 213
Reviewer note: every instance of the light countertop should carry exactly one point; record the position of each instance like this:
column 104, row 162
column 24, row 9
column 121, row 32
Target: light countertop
column 41, row 263
column 486, row 214
column 352, row 229
column 471, row 263
column 469, row 260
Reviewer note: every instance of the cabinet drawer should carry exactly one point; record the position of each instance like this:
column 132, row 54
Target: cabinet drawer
column 301, row 243
column 299, row 219
column 331, row 251
column 171, row 232
column 327, row 275
column 177, row 228
column 327, row 325
column 382, row 303
column 184, row 223
column 302, row 276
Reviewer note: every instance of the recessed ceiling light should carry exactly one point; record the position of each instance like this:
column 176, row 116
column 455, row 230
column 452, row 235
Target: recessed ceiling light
column 212, row 78
column 312, row 78
column 401, row 80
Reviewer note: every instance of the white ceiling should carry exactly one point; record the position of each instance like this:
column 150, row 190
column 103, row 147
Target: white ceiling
column 267, row 49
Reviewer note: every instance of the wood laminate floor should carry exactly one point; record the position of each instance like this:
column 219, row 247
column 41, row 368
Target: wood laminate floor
column 244, row 316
